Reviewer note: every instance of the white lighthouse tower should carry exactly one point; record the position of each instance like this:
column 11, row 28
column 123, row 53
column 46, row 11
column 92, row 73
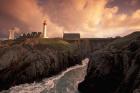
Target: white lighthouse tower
column 44, row 29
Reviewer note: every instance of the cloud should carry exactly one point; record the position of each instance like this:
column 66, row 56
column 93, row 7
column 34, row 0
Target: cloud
column 26, row 11
column 134, row 2
column 22, row 12
column 114, row 20
column 74, row 13
column 92, row 18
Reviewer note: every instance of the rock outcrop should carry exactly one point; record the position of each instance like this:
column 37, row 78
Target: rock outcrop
column 31, row 61
column 114, row 69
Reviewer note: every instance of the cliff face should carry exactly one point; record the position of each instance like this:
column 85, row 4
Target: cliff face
column 31, row 61
column 90, row 45
column 114, row 69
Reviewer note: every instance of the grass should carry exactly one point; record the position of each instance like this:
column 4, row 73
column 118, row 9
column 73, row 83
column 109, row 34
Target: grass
column 57, row 44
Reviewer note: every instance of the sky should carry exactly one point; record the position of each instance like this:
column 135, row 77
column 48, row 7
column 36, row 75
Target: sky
column 90, row 18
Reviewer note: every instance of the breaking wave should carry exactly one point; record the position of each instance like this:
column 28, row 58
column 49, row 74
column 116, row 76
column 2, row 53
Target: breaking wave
column 66, row 82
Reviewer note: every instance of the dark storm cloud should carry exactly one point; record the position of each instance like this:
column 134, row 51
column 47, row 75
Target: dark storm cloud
column 125, row 6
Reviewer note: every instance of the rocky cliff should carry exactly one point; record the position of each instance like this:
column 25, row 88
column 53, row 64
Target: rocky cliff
column 114, row 69
column 89, row 45
column 31, row 60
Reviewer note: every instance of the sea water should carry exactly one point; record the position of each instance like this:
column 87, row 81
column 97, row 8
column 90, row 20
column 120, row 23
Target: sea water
column 65, row 82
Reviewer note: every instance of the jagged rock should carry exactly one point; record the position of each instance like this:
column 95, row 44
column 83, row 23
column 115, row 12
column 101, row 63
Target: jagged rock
column 114, row 70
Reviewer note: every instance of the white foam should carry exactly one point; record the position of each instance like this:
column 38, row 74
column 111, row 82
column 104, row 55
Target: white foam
column 46, row 84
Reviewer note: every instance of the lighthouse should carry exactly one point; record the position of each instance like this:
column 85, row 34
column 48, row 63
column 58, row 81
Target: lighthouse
column 44, row 29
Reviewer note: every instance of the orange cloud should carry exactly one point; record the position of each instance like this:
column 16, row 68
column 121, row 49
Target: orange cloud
column 76, row 15
column 133, row 2
column 112, row 19
column 89, row 17
column 26, row 11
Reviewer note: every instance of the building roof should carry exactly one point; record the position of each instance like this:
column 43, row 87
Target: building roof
column 71, row 36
